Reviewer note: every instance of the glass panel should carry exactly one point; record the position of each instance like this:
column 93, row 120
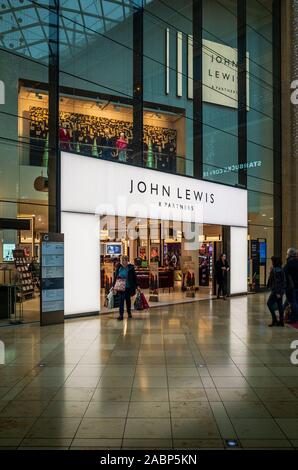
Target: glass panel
column 24, row 57
column 220, row 114
column 97, row 55
column 164, row 141
column 260, row 79
column 167, row 33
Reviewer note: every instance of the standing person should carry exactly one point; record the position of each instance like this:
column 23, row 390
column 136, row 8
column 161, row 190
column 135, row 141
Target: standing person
column 291, row 273
column 121, row 145
column 221, row 271
column 277, row 284
column 64, row 137
column 126, row 271
column 106, row 144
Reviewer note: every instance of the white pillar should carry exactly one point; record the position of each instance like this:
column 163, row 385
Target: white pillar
column 81, row 263
column 238, row 260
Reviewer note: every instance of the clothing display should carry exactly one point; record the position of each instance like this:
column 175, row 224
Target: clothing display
column 100, row 137
column 121, row 145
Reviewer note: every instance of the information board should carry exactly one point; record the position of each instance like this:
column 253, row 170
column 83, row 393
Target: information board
column 52, row 278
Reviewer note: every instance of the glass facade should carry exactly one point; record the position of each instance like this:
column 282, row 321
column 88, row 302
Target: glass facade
column 220, row 102
column 150, row 83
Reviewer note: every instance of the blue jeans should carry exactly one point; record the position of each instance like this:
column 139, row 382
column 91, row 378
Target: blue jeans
column 272, row 301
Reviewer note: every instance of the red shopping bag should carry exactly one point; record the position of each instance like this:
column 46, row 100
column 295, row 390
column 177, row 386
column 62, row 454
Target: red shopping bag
column 144, row 301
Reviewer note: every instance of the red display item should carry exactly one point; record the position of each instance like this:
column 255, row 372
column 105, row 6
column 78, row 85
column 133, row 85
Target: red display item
column 144, row 301
column 64, row 138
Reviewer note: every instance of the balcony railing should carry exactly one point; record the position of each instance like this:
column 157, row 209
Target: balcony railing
column 167, row 162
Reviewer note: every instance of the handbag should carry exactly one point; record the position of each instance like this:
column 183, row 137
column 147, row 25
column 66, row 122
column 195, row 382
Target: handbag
column 138, row 304
column 120, row 284
column 287, row 314
column 144, row 301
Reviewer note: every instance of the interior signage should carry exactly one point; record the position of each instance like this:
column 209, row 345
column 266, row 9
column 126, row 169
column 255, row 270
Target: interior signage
column 166, row 191
column 94, row 186
column 52, row 278
column 233, row 167
column 220, row 74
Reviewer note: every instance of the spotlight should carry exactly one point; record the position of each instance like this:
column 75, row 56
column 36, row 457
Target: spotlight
column 232, row 443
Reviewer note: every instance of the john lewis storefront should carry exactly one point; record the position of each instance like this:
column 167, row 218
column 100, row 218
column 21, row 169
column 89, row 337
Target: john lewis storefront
column 92, row 189
column 193, row 85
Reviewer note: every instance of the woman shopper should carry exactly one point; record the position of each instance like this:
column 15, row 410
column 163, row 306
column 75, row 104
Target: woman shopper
column 277, row 284
column 221, row 271
column 125, row 284
column 122, row 145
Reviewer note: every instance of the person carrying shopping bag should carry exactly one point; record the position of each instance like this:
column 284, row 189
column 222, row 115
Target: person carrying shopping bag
column 125, row 284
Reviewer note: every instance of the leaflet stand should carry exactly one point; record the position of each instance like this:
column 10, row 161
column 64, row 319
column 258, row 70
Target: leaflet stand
column 15, row 307
column 25, row 277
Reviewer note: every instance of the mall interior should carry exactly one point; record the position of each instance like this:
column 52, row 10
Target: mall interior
column 165, row 131
column 190, row 89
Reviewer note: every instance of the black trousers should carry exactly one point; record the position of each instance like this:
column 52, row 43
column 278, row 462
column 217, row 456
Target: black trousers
column 124, row 297
column 272, row 301
column 222, row 287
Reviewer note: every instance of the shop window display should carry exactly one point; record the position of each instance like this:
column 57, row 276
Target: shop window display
column 168, row 265
column 101, row 137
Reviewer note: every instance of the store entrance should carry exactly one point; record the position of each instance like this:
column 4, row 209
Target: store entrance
column 174, row 261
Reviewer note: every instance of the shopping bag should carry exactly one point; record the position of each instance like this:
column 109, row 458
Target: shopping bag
column 110, row 299
column 138, row 304
column 287, row 314
column 144, row 302
column 120, row 284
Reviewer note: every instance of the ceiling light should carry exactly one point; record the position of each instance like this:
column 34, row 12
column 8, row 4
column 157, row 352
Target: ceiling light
column 231, row 443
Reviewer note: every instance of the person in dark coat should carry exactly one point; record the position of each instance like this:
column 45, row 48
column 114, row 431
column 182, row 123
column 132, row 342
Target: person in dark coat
column 277, row 284
column 106, row 143
column 291, row 273
column 126, row 271
column 221, row 272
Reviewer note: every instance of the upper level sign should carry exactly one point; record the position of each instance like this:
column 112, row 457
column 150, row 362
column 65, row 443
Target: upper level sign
column 219, row 70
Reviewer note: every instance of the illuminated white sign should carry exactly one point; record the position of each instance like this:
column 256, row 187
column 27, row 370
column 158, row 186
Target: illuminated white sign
column 94, row 186
column 220, row 74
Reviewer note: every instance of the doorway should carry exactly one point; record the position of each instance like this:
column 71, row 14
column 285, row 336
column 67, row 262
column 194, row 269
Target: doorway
column 179, row 256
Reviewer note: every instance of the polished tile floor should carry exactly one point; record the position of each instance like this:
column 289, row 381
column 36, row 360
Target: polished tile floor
column 186, row 376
